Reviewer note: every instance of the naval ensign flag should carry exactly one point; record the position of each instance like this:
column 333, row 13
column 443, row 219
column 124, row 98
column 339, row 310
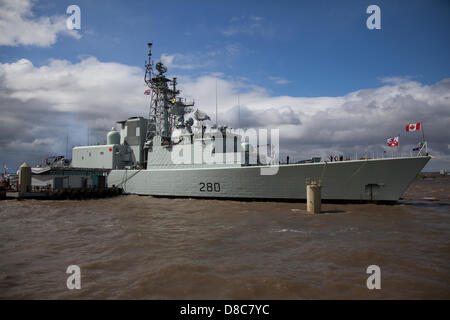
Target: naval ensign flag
column 392, row 142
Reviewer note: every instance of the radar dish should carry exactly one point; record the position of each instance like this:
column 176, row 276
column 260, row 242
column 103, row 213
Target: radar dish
column 161, row 68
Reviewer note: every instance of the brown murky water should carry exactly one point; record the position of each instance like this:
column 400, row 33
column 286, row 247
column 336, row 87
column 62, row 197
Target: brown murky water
column 155, row 248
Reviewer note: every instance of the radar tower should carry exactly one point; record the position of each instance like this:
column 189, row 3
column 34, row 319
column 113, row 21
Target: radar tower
column 166, row 110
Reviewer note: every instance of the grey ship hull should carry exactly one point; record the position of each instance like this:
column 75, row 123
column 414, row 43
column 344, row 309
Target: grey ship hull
column 357, row 180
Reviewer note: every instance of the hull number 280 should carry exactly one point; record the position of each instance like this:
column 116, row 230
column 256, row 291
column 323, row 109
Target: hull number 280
column 209, row 187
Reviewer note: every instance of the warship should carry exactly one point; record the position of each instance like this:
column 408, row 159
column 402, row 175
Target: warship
column 166, row 154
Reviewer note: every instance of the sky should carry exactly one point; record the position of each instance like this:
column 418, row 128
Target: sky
column 312, row 69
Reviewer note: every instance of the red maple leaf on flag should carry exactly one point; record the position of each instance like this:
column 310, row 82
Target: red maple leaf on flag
column 413, row 126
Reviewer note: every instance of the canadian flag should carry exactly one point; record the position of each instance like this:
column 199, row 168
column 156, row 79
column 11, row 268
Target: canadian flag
column 392, row 142
column 147, row 92
column 413, row 126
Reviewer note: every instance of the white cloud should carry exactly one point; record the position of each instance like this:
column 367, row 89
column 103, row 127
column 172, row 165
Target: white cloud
column 41, row 105
column 180, row 61
column 201, row 59
column 63, row 86
column 255, row 18
column 396, row 79
column 249, row 26
column 279, row 80
column 20, row 27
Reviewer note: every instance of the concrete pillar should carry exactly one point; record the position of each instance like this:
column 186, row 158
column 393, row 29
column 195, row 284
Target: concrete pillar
column 313, row 198
column 24, row 182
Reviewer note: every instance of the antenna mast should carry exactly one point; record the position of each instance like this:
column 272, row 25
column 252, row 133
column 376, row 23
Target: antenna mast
column 239, row 113
column 166, row 113
column 216, row 103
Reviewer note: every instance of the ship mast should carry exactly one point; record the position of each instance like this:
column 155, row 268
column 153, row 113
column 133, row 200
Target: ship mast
column 166, row 111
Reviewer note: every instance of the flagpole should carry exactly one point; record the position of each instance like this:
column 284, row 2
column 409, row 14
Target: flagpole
column 423, row 134
column 424, row 143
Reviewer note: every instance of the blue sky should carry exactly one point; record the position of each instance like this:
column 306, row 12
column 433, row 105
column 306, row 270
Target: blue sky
column 311, row 68
column 323, row 48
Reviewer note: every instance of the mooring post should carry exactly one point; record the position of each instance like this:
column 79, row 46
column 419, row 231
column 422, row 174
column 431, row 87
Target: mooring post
column 24, row 184
column 313, row 198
